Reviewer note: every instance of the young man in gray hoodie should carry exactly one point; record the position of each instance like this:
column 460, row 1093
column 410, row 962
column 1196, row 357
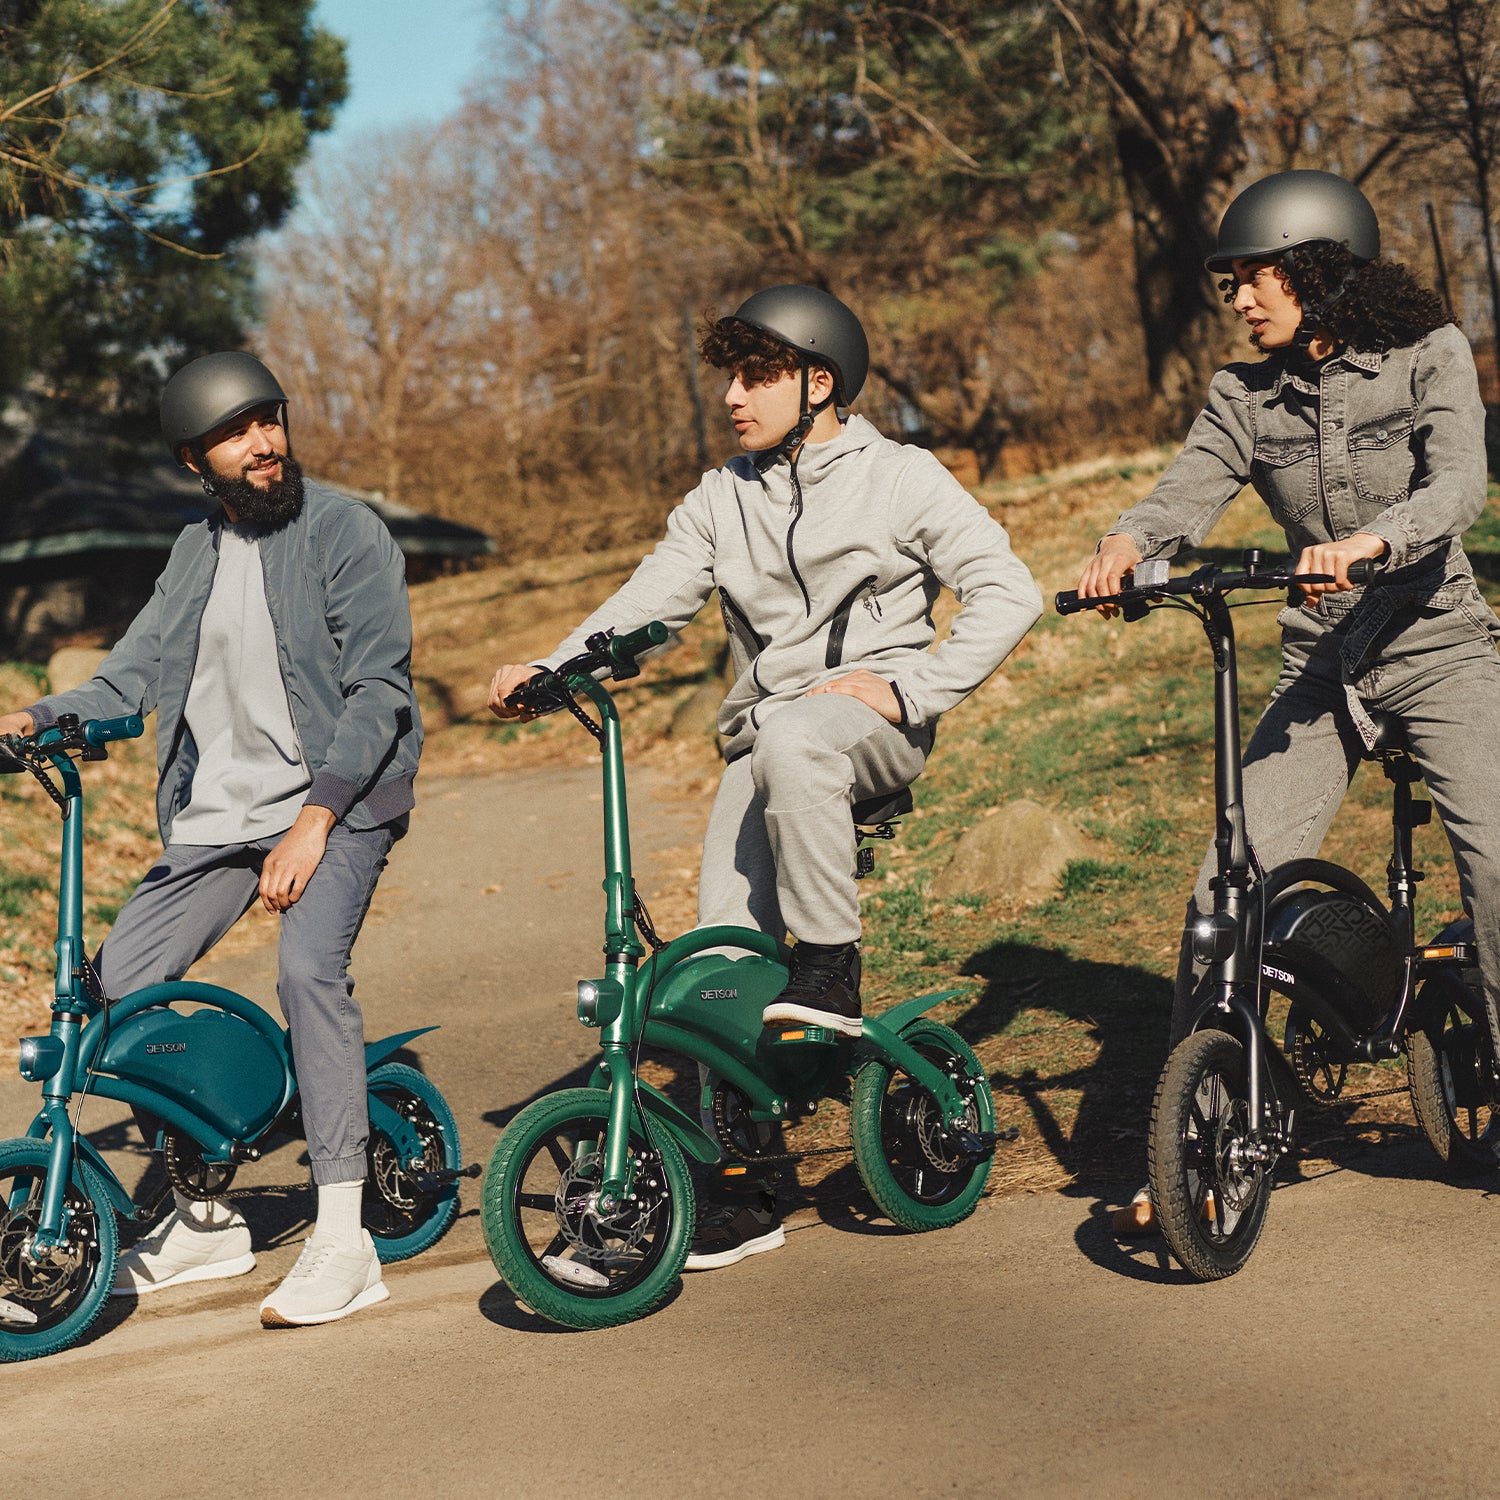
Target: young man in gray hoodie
column 827, row 544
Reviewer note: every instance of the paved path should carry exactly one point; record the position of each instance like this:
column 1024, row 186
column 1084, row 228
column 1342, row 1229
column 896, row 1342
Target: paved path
column 1024, row 1352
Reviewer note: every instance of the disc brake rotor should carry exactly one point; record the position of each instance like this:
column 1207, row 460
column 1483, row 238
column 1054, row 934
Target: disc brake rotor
column 602, row 1236
column 1237, row 1170
column 24, row 1278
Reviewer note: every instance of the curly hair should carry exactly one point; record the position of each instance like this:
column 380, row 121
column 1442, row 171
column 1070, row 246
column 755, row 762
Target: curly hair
column 1382, row 305
column 756, row 357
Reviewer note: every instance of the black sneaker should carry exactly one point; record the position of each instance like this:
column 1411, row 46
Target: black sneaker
column 727, row 1233
column 822, row 990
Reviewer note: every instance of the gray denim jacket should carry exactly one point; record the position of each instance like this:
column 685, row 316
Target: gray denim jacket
column 1390, row 444
column 336, row 588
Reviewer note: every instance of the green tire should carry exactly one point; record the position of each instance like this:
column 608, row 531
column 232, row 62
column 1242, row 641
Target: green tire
column 918, row 1178
column 556, row 1252
column 404, row 1212
column 63, row 1301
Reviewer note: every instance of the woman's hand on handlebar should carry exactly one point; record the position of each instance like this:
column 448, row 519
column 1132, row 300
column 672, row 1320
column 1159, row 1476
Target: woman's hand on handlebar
column 504, row 683
column 1104, row 574
column 1334, row 558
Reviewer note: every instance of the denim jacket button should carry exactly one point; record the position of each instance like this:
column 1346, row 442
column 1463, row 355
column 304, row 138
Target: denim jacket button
column 1330, row 427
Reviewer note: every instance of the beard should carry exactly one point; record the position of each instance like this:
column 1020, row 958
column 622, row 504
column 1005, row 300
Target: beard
column 268, row 509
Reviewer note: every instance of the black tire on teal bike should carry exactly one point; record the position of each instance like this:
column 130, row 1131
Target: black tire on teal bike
column 407, row 1208
column 920, row 1175
column 1452, row 1077
column 558, row 1253
column 1209, row 1183
column 48, row 1306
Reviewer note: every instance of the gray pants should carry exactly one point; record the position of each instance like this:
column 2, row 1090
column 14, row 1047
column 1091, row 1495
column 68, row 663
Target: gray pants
column 1438, row 673
column 779, row 852
column 195, row 893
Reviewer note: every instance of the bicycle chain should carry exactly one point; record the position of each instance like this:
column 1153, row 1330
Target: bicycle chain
column 766, row 1159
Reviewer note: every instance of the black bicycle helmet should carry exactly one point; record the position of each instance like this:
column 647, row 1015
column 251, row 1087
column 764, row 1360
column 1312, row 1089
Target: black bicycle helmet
column 1289, row 209
column 816, row 324
column 211, row 391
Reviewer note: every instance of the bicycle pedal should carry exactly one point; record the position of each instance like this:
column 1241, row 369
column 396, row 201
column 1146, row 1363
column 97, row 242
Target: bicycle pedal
column 818, row 1034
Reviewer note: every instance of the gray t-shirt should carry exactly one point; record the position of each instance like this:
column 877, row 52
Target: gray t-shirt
column 251, row 779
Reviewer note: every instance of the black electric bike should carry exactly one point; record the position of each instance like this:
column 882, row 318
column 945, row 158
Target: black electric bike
column 1357, row 985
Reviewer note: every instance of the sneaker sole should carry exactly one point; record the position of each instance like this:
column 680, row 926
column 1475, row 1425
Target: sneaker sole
column 270, row 1318
column 774, row 1015
column 773, row 1241
column 214, row 1271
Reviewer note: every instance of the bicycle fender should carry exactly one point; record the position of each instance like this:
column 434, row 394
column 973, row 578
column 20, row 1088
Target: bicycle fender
column 401, row 1133
column 686, row 1131
column 377, row 1052
column 908, row 1010
column 121, row 1201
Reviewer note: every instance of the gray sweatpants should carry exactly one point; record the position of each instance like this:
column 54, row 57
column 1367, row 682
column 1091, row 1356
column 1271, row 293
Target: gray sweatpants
column 195, row 893
column 779, row 852
column 1439, row 674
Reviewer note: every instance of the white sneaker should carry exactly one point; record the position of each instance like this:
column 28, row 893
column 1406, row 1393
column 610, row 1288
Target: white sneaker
column 182, row 1249
column 327, row 1283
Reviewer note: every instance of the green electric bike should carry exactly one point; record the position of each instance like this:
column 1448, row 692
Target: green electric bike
column 211, row 1079
column 588, row 1204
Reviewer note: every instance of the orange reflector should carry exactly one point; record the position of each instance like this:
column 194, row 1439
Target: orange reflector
column 1440, row 953
column 794, row 1036
column 733, row 1172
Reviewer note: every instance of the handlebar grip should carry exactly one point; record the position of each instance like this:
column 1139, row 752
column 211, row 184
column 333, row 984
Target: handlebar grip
column 1068, row 602
column 623, row 649
column 1366, row 570
column 101, row 731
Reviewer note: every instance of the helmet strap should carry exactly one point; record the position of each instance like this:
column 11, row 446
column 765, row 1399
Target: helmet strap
column 800, row 430
column 1313, row 313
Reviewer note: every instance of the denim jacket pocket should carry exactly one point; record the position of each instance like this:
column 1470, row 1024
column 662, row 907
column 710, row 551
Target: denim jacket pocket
column 1284, row 471
column 1381, row 458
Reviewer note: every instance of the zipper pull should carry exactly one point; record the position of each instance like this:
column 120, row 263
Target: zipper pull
column 872, row 604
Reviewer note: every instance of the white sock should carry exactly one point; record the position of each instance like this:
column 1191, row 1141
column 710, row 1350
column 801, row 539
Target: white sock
column 338, row 1213
column 214, row 1214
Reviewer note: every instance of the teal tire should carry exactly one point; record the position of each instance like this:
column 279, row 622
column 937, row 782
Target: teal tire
column 47, row 1307
column 408, row 1208
column 918, row 1174
column 559, row 1255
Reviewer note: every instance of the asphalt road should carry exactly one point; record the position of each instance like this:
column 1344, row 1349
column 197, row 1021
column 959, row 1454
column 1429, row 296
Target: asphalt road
column 1025, row 1352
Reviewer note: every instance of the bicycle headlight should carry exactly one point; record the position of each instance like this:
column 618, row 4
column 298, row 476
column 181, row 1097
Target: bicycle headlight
column 41, row 1057
column 600, row 1001
column 1213, row 938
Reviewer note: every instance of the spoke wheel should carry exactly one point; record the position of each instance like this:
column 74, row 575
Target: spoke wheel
column 1209, row 1182
column 1452, row 1076
column 409, row 1205
column 920, row 1175
column 559, row 1252
column 1311, row 1050
column 45, row 1306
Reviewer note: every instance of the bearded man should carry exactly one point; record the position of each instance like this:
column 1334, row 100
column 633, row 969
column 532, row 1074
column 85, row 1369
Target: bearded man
column 276, row 653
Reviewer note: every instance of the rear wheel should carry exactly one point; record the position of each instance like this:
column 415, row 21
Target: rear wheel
column 409, row 1204
column 920, row 1174
column 1451, row 1071
column 1208, row 1180
column 562, row 1254
column 49, row 1304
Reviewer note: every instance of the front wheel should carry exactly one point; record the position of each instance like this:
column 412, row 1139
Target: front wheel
column 408, row 1205
column 921, row 1175
column 47, row 1305
column 1451, row 1072
column 559, row 1252
column 1209, row 1180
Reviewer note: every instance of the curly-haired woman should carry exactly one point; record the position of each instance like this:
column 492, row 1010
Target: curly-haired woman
column 1363, row 431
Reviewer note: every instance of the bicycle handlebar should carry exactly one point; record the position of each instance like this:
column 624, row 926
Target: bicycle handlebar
column 101, row 731
column 16, row 750
column 1209, row 580
column 615, row 655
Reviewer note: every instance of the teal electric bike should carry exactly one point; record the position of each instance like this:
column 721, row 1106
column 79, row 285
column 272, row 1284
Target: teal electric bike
column 588, row 1203
column 210, row 1077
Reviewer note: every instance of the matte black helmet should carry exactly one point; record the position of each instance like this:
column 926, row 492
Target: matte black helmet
column 211, row 391
column 816, row 324
column 1289, row 209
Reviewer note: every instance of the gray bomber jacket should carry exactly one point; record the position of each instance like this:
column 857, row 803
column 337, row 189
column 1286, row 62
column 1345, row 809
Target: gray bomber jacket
column 829, row 567
column 336, row 588
column 1391, row 444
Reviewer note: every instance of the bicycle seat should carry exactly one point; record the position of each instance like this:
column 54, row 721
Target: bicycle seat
column 1390, row 737
column 876, row 810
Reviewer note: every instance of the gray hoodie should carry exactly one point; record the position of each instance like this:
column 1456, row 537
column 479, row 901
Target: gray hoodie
column 829, row 565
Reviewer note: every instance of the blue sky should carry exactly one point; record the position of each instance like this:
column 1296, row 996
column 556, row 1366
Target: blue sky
column 408, row 59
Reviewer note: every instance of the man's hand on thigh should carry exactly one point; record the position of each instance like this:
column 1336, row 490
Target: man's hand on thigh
column 290, row 865
column 869, row 689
